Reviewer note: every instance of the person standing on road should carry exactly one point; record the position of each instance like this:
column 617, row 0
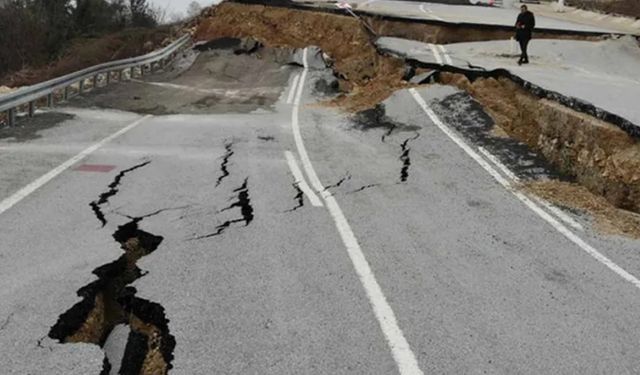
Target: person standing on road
column 524, row 30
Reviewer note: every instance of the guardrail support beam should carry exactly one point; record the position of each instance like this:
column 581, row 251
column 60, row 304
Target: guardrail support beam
column 95, row 81
column 32, row 108
column 120, row 75
column 81, row 86
column 50, row 100
column 66, row 93
column 11, row 117
column 108, row 78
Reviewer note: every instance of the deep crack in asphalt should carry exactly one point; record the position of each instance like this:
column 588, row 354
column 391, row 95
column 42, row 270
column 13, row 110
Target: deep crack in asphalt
column 225, row 162
column 299, row 197
column 388, row 133
column 405, row 157
column 109, row 300
column 113, row 190
column 347, row 177
column 244, row 203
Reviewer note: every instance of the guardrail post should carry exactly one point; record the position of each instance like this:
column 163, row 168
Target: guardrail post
column 66, row 90
column 11, row 117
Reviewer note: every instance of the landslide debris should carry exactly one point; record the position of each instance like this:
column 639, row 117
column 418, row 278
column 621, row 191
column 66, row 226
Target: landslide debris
column 365, row 75
column 602, row 157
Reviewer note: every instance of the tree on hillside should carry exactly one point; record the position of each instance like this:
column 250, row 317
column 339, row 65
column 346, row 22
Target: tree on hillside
column 22, row 36
column 141, row 14
column 98, row 16
column 194, row 9
column 56, row 16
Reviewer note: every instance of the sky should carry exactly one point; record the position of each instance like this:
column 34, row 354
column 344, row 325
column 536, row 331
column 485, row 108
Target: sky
column 178, row 6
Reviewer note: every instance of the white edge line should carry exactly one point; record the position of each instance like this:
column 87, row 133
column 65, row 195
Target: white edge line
column 297, row 136
column 559, row 213
column 436, row 54
column 300, row 181
column 429, row 12
column 400, row 349
column 542, row 213
column 294, row 87
column 42, row 180
column 446, row 54
column 499, row 164
column 555, row 210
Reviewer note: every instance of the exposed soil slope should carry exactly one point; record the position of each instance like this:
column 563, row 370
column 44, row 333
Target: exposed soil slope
column 601, row 156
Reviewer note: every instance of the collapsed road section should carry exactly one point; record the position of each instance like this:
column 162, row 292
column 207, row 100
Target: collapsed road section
column 600, row 153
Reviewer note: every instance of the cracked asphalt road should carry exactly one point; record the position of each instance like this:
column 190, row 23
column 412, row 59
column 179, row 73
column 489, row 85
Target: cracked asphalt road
column 477, row 282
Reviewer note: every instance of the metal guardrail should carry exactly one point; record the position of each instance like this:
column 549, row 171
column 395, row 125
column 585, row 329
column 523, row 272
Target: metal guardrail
column 10, row 103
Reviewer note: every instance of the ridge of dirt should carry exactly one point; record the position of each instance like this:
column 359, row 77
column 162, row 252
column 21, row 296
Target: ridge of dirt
column 601, row 156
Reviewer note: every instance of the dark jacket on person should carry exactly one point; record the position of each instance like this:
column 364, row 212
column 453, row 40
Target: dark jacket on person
column 524, row 25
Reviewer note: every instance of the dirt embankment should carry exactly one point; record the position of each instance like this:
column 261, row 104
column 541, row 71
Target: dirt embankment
column 86, row 52
column 366, row 75
column 629, row 8
column 601, row 156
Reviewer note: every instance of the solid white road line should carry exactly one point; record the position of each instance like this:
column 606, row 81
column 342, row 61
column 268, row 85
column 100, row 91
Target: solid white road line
column 528, row 202
column 300, row 181
column 400, row 349
column 559, row 213
column 429, row 13
column 302, row 151
column 445, row 54
column 294, row 87
column 233, row 93
column 555, row 210
column 499, row 164
column 436, row 54
column 35, row 185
